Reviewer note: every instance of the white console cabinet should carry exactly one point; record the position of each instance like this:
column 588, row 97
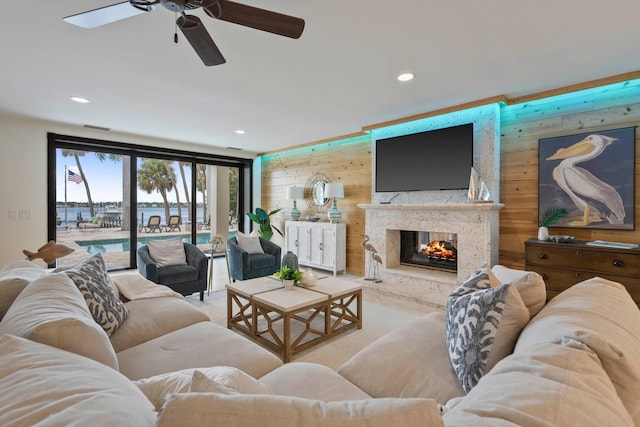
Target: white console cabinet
column 318, row 244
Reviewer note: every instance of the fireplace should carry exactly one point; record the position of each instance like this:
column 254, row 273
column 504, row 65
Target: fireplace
column 426, row 249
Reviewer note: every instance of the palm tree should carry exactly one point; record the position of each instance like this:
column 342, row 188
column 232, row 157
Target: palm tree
column 182, row 165
column 233, row 192
column 76, row 155
column 153, row 176
column 172, row 175
column 201, row 185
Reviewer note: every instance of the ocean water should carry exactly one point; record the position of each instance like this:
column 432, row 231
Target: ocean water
column 143, row 214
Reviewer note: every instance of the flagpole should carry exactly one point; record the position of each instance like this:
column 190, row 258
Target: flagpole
column 65, row 194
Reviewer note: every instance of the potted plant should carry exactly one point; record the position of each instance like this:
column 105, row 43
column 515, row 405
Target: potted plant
column 217, row 242
column 288, row 276
column 262, row 218
column 547, row 219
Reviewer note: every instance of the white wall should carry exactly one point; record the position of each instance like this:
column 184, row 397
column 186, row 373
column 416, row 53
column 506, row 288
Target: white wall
column 23, row 174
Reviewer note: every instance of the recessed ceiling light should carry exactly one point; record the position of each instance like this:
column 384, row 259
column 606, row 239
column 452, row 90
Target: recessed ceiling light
column 79, row 99
column 405, row 77
column 240, row 131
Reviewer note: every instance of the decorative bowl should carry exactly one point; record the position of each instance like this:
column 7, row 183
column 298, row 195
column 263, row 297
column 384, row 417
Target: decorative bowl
column 561, row 239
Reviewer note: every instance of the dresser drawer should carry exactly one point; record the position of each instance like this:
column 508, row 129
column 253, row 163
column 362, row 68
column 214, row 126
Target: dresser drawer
column 558, row 279
column 579, row 257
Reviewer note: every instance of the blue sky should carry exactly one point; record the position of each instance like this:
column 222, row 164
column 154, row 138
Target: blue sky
column 105, row 181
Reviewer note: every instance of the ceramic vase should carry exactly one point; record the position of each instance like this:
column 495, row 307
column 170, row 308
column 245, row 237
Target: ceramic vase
column 309, row 278
column 288, row 284
column 543, row 233
column 290, row 260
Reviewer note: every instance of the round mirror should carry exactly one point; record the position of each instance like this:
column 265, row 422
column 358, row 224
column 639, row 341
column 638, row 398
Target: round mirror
column 314, row 192
column 317, row 193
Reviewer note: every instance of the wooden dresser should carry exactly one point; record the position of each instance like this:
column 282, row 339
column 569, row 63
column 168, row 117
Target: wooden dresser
column 562, row 265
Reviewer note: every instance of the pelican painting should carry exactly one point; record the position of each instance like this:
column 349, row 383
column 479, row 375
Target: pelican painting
column 585, row 184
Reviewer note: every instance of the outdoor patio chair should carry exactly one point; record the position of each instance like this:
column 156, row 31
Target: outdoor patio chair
column 172, row 224
column 153, row 224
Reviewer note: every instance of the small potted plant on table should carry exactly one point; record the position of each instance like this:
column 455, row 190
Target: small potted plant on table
column 288, row 276
column 547, row 219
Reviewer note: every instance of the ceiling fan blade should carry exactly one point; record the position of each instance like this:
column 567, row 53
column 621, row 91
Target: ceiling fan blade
column 193, row 29
column 260, row 19
column 104, row 15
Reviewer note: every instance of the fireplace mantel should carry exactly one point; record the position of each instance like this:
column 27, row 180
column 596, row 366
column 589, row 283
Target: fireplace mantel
column 476, row 226
column 436, row 206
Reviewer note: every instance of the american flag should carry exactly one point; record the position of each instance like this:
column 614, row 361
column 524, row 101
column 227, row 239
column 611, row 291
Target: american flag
column 74, row 177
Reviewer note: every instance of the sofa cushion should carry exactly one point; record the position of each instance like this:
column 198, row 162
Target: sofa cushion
column 261, row 260
column 45, row 386
column 199, row 345
column 560, row 384
column 232, row 379
column 177, row 273
column 167, row 252
column 483, row 323
column 411, row 361
column 14, row 277
column 159, row 388
column 51, row 310
column 248, row 243
column 311, row 381
column 601, row 314
column 529, row 283
column 153, row 317
column 239, row 410
column 90, row 276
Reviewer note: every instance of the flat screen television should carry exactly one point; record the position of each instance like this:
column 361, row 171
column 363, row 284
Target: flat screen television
column 439, row 159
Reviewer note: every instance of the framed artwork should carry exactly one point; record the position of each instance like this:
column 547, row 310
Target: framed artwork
column 592, row 176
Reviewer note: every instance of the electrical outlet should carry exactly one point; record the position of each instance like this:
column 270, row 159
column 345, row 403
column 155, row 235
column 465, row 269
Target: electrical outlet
column 13, row 214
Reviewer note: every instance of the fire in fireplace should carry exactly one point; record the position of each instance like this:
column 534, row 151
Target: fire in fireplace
column 429, row 250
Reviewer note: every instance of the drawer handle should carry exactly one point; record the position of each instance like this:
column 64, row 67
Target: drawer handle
column 542, row 256
column 545, row 277
column 578, row 253
column 618, row 263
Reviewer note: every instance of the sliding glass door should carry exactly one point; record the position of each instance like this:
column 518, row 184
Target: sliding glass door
column 113, row 198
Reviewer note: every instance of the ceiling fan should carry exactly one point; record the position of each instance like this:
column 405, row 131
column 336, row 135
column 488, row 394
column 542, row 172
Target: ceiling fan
column 191, row 26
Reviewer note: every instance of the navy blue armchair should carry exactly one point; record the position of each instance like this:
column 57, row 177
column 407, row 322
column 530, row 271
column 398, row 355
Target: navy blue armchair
column 243, row 266
column 184, row 279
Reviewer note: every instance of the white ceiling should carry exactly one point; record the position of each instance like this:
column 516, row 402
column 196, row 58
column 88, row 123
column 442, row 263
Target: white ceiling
column 338, row 77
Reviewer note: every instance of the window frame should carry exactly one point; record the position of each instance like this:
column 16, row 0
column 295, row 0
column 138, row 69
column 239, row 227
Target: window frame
column 134, row 151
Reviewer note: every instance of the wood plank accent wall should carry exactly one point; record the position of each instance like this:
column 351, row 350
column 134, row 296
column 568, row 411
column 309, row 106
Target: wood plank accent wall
column 348, row 162
column 522, row 125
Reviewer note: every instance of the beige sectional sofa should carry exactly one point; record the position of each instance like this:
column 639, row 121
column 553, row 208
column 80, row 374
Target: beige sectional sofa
column 576, row 362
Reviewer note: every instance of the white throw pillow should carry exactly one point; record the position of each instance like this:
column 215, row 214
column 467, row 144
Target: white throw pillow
column 529, row 283
column 90, row 276
column 51, row 310
column 483, row 324
column 250, row 410
column 159, row 388
column 248, row 243
column 167, row 252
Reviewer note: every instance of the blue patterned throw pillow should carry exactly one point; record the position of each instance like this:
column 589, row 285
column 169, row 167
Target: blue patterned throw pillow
column 484, row 320
column 91, row 278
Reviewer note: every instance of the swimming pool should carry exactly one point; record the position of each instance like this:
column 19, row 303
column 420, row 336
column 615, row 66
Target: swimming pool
column 124, row 245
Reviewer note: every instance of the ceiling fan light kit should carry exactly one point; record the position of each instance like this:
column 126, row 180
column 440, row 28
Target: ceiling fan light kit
column 191, row 26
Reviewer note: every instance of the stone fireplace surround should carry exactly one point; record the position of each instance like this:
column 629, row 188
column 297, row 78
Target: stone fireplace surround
column 477, row 224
